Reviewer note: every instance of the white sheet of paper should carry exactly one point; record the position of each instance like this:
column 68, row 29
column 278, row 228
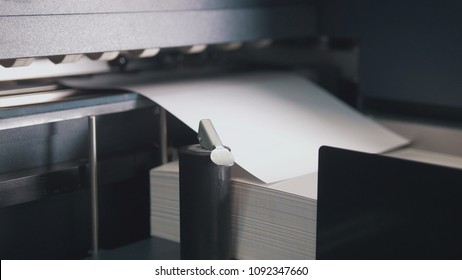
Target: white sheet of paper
column 274, row 122
column 305, row 186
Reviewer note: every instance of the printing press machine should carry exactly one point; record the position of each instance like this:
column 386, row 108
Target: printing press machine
column 397, row 61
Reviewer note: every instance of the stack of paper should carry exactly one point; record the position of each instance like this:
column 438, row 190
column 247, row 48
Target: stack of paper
column 274, row 221
column 165, row 205
column 270, row 221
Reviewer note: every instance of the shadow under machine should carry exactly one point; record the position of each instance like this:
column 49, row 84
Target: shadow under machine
column 382, row 59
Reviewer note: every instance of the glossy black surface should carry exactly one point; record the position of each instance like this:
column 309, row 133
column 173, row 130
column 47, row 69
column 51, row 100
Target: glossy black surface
column 376, row 207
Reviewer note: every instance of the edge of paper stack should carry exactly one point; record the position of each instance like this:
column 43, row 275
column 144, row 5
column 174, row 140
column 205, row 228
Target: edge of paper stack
column 270, row 221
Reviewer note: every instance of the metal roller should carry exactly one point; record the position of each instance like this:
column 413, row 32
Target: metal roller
column 228, row 46
column 69, row 58
column 16, row 62
column 142, row 53
column 103, row 55
column 193, row 49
